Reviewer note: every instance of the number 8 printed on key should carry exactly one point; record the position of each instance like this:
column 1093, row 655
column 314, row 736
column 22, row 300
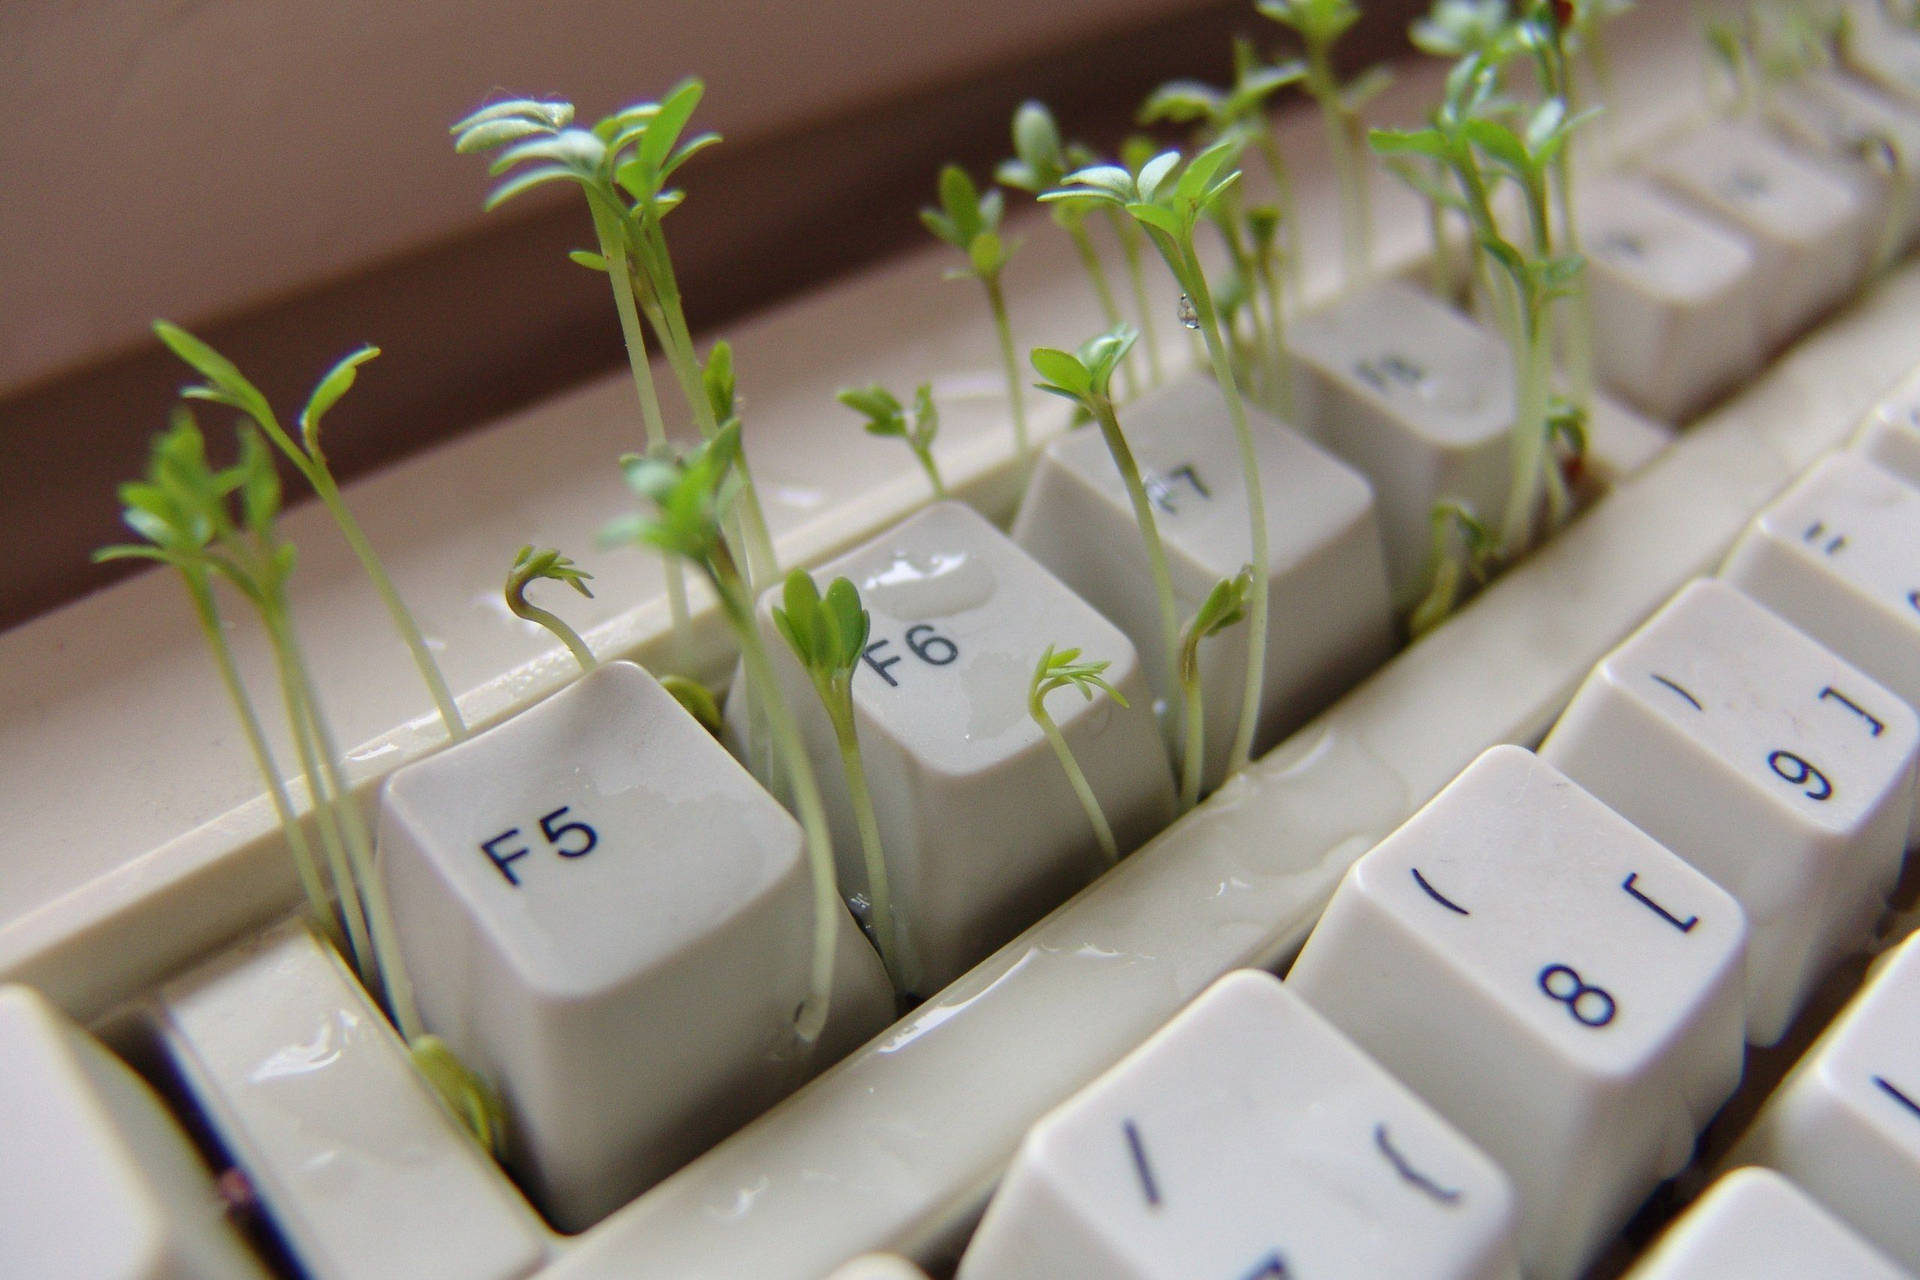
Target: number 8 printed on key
column 1590, row 1006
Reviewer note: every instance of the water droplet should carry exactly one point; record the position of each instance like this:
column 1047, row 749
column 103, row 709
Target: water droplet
column 1186, row 314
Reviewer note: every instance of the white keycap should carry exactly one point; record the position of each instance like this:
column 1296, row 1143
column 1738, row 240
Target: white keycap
column 361, row 1168
column 982, row 831
column 1838, row 556
column 1845, row 1124
column 1331, row 622
column 1675, row 298
column 1756, row 1225
column 1882, row 51
column 1418, row 398
column 99, row 1182
column 1765, row 761
column 611, row 921
column 1811, row 231
column 1247, row 1138
column 1875, row 142
column 1555, row 983
column 1889, row 437
column 877, row 1266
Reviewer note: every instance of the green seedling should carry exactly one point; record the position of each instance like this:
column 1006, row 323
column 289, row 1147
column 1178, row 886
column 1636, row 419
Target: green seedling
column 1040, row 161
column 532, row 565
column 1319, row 24
column 1224, row 606
column 222, row 524
column 970, row 222
column 1059, row 670
column 1264, row 224
column 690, row 496
column 1478, row 148
column 226, row 385
column 1135, row 151
column 623, row 166
column 696, row 700
column 828, row 634
column 1240, row 111
column 1168, row 199
column 1085, row 377
column 886, row 416
column 1459, row 547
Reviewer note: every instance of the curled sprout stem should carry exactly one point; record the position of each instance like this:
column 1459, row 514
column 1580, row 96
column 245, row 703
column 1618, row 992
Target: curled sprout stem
column 531, row 565
column 1064, row 669
column 1224, row 606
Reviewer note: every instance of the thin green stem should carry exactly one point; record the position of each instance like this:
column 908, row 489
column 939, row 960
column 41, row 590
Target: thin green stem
column 365, row 882
column 1295, row 266
column 319, row 901
column 1196, row 285
column 1097, row 276
column 1194, row 765
column 1228, row 223
column 839, row 704
column 322, row 481
column 1533, row 368
column 811, row 1018
column 1342, row 127
column 1280, row 364
column 1109, row 849
column 1003, row 327
column 559, row 626
column 1103, row 414
column 932, row 468
column 1129, row 238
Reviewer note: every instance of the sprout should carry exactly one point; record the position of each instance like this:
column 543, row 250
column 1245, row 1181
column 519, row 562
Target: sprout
column 1168, row 200
column 226, row 385
column 970, row 222
column 1460, row 546
column 1224, row 606
column 1059, row 670
column 690, row 496
column 208, row 524
column 530, row 565
column 828, row 635
column 886, row 417
column 1319, row 24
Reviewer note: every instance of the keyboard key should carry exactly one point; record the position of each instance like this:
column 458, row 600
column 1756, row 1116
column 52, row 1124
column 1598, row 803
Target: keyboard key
column 1246, row 1138
column 1883, row 51
column 99, row 1179
column 1418, row 398
column 1890, row 435
column 1812, row 232
column 1872, row 139
column 1331, row 622
column 607, row 918
column 1835, row 556
column 1755, row 1225
column 878, row 1266
column 361, row 1168
column 1555, row 983
column 1845, row 1124
column 1766, row 762
column 982, row 830
column 1675, row 298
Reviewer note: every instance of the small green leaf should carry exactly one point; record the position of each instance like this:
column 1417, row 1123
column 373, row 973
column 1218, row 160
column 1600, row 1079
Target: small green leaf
column 1154, row 173
column 555, row 115
column 523, row 182
column 588, row 259
column 1396, row 142
column 1063, row 371
column 987, row 253
column 336, row 382
column 696, row 700
column 493, row 133
column 718, row 381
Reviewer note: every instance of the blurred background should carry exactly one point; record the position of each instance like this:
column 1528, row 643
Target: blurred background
column 277, row 176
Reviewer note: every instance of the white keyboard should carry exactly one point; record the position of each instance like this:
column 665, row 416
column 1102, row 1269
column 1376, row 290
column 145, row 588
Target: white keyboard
column 138, row 847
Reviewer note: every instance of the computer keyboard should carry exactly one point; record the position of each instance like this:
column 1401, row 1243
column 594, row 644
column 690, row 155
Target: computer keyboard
column 138, row 847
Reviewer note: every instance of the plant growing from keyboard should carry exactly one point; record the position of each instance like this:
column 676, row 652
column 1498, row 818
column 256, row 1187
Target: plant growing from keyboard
column 689, row 496
column 1459, row 546
column 1479, row 142
column 886, row 416
column 1064, row 669
column 226, row 385
column 623, row 166
column 1319, row 24
column 970, row 222
column 1085, row 377
column 532, row 565
column 1225, row 606
column 1041, row 159
column 221, row 524
column 1238, row 114
column 828, row 634
column 1168, row 199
